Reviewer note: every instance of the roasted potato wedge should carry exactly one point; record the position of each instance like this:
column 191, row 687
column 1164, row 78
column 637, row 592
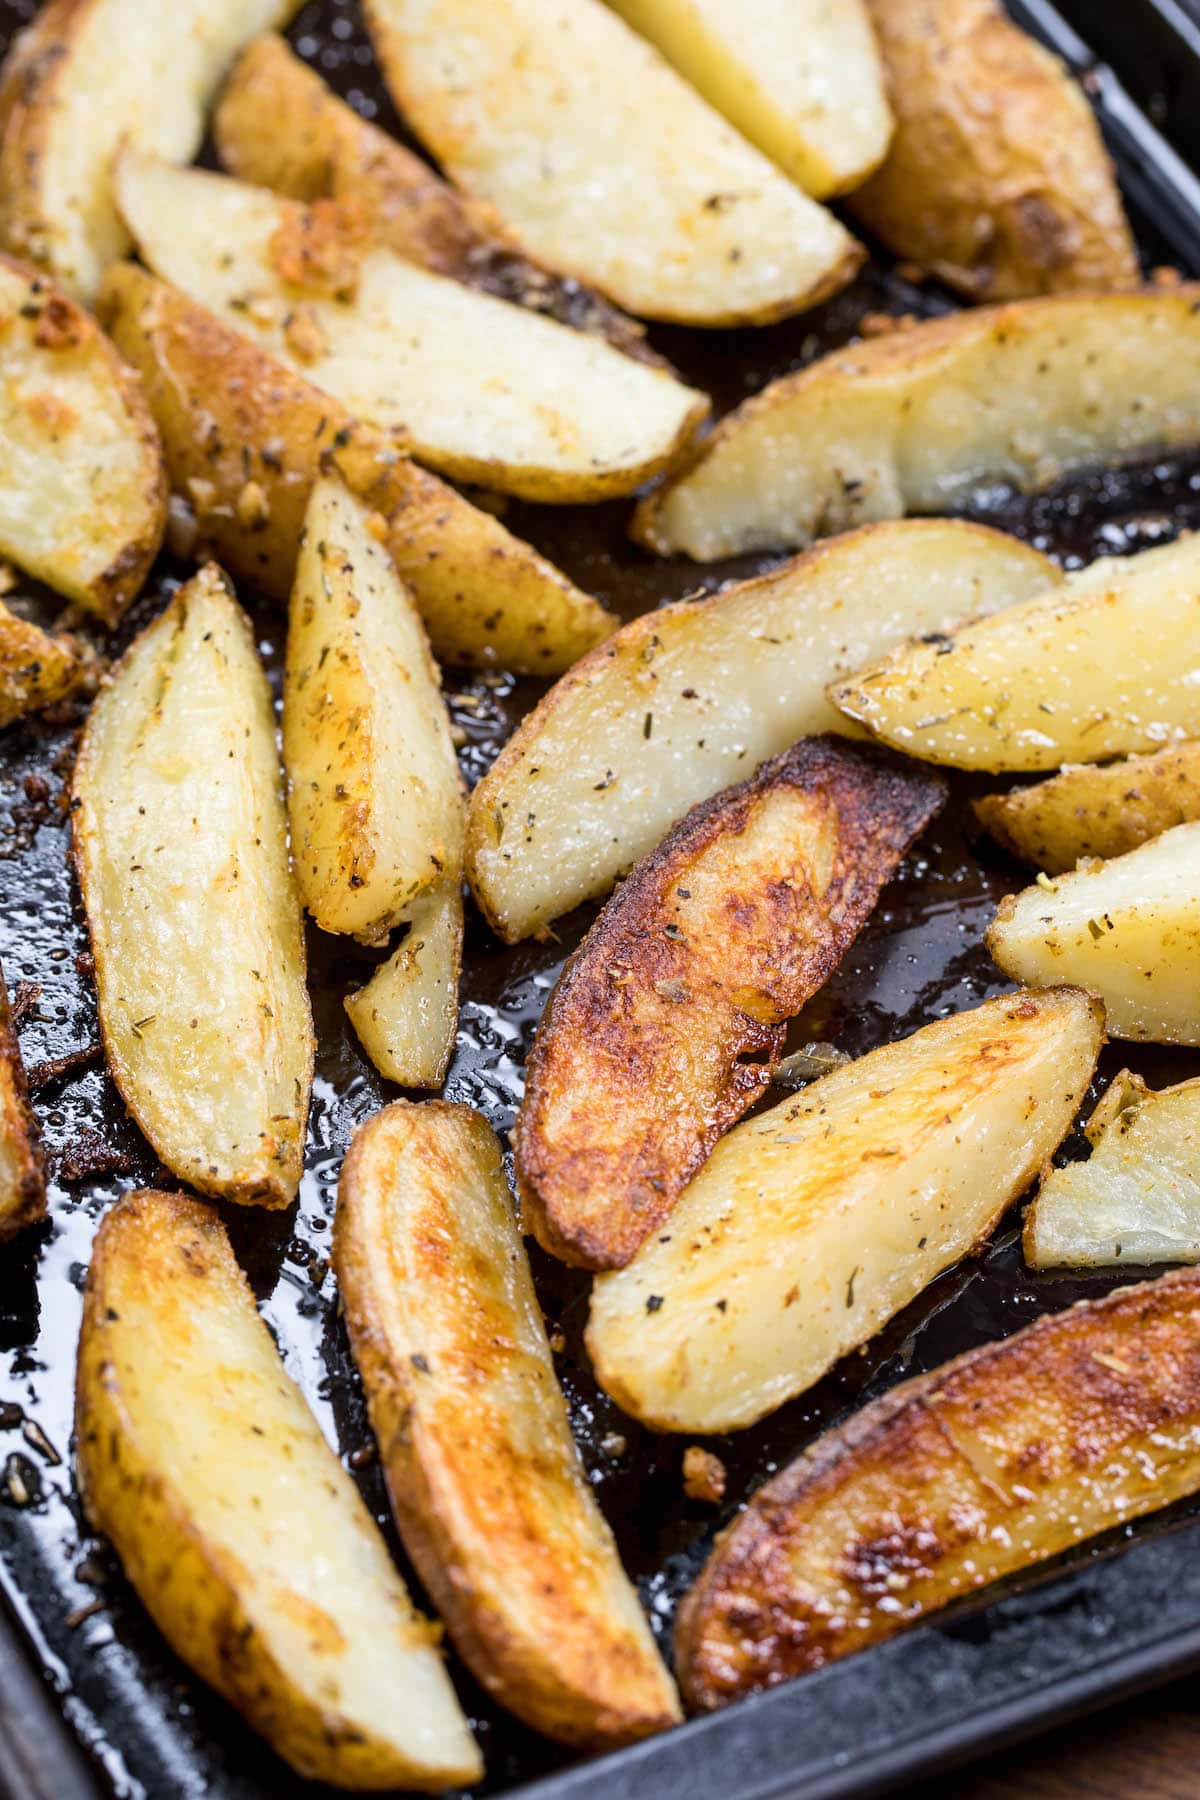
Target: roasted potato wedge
column 918, row 421
column 690, row 223
column 37, row 668
column 686, row 700
column 375, row 799
column 181, row 849
column 1128, row 929
column 279, row 126
column 245, row 438
column 406, row 1016
column 22, row 1179
column 813, row 1224
column 82, row 492
column 486, row 1483
column 87, row 76
column 1104, row 664
column 489, row 392
column 997, row 178
column 668, row 1021
column 1086, row 811
column 245, row 1538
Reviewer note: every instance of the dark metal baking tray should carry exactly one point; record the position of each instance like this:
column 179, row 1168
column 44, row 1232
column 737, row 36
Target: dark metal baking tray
column 76, row 1646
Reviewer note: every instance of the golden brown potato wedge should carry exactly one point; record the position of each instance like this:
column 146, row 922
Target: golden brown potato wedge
column 245, row 438
column 181, row 848
column 489, row 392
column 82, row 491
column 375, row 799
column 37, row 668
column 997, row 178
column 917, row 421
column 668, row 1021
column 993, row 1463
column 406, row 1016
column 486, row 1483
column 688, row 223
column 243, row 1535
column 22, row 1179
column 1128, row 929
column 686, row 700
column 1104, row 664
column 1086, row 811
column 813, row 1224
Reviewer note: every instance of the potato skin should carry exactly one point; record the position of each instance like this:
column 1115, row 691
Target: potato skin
column 1096, row 811
column 667, row 1022
column 892, row 1506
column 22, row 1178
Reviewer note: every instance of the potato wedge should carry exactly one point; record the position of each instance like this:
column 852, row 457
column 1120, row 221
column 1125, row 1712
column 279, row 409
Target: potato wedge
column 243, row 1535
column 918, row 421
column 1104, row 664
column 181, row 849
column 244, row 439
column 686, row 700
column 489, row 392
column 406, row 1016
column 803, row 82
column 486, row 1483
column 668, row 1021
column 37, row 668
column 689, row 223
column 997, row 178
column 992, row 1463
column 375, row 799
column 82, row 491
column 279, row 126
column 22, row 1179
column 87, row 76
column 1086, row 811
column 813, row 1224
column 1128, row 929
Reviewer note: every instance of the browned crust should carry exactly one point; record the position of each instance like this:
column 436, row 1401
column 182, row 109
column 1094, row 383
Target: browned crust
column 24, row 1200
column 36, row 669
column 893, row 1505
column 667, row 1022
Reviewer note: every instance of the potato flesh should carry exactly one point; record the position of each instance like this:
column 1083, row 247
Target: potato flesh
column 919, row 420
column 1105, row 664
column 1084, row 811
column 192, row 1437
column 488, row 392
column 181, row 846
column 22, row 1182
column 406, row 1016
column 1128, row 929
column 814, row 1223
column 689, row 223
column 689, row 699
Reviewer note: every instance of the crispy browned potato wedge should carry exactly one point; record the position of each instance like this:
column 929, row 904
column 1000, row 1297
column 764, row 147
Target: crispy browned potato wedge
column 180, row 842
column 997, row 178
column 37, row 668
column 993, row 1463
column 813, row 1224
column 245, row 439
column 22, row 1179
column 667, row 1022
column 406, row 1016
column 1096, row 811
column 237, row 1525
column 486, row 1483
column 918, row 421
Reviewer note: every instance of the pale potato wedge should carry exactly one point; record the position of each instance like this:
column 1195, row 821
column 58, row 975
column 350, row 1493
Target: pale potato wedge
column 82, row 491
column 237, row 1525
column 406, row 1016
column 22, row 1178
column 997, row 178
column 649, row 196
column 667, row 1023
column 1085, row 811
column 180, row 844
column 87, row 76
column 280, row 126
column 486, row 1483
column 37, row 668
column 813, row 1224
column 803, row 82
column 244, row 439
column 686, row 700
column 991, row 1464
column 488, row 392
column 1106, row 663
column 375, row 800
column 1128, row 929
column 918, row 421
